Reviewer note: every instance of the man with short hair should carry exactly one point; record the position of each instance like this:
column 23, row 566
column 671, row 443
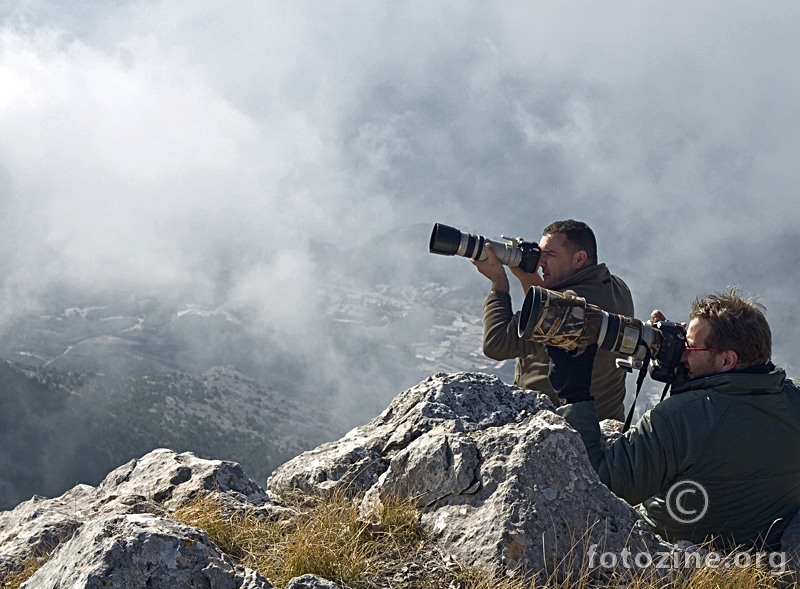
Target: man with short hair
column 568, row 263
column 727, row 440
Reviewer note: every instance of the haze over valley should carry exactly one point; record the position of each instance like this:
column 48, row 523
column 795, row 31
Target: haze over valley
column 194, row 192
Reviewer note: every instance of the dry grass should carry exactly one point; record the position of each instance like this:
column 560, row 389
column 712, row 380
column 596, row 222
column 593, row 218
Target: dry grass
column 15, row 579
column 41, row 554
column 322, row 537
column 326, row 537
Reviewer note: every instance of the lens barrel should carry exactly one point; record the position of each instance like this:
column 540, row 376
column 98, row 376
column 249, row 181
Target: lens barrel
column 445, row 240
column 559, row 319
column 529, row 316
column 449, row 241
column 569, row 322
column 564, row 321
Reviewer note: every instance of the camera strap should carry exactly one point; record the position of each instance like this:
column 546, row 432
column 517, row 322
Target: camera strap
column 639, row 382
column 664, row 392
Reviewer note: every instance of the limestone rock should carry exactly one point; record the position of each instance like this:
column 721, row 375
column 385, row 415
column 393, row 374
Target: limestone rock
column 141, row 550
column 504, row 482
column 161, row 482
column 462, row 402
column 310, row 582
column 172, row 480
column 610, row 430
column 432, row 467
column 526, row 497
column 34, row 529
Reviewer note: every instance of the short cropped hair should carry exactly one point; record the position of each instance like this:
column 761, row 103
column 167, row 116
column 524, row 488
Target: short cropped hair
column 735, row 324
column 578, row 237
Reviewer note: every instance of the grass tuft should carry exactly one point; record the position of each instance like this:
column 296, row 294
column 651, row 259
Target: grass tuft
column 16, row 578
column 327, row 537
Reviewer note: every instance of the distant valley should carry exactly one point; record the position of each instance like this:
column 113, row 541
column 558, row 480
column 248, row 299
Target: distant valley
column 92, row 380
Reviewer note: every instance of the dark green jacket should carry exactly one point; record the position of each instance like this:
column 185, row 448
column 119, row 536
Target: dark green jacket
column 501, row 342
column 736, row 434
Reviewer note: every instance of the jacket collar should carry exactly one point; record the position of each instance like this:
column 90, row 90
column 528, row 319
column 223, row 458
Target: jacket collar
column 593, row 273
column 738, row 383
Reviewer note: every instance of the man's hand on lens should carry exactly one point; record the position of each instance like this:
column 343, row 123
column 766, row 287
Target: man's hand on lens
column 526, row 279
column 570, row 373
column 493, row 270
column 657, row 315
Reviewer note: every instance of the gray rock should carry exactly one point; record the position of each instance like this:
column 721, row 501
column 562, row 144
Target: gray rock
column 610, row 430
column 503, row 481
column 141, row 550
column 250, row 579
column 34, row 529
column 462, row 402
column 161, row 481
column 172, row 480
column 519, row 497
column 432, row 467
column 310, row 582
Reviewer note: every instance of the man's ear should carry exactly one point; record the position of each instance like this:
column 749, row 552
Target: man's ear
column 580, row 258
column 730, row 360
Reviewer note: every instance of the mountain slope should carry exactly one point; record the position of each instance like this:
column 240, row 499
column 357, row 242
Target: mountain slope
column 60, row 428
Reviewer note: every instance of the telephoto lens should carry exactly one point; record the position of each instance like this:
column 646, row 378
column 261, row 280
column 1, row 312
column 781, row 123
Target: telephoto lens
column 569, row 322
column 559, row 320
column 449, row 241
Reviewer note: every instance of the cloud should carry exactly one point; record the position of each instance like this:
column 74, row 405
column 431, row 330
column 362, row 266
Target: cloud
column 207, row 147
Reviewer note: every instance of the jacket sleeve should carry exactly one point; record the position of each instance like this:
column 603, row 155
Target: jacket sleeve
column 638, row 464
column 500, row 338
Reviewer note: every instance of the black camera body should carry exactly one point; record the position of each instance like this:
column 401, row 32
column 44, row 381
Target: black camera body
column 668, row 358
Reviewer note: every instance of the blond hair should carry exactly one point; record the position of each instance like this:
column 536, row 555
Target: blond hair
column 735, row 324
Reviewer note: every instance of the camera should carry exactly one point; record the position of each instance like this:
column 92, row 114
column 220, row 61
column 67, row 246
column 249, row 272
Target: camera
column 449, row 241
column 569, row 322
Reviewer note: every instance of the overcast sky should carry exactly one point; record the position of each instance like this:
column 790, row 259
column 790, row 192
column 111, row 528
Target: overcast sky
column 174, row 143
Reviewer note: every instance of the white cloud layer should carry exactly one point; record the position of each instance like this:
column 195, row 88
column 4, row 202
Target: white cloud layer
column 149, row 143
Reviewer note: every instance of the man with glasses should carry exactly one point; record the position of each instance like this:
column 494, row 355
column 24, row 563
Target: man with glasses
column 568, row 263
column 720, row 458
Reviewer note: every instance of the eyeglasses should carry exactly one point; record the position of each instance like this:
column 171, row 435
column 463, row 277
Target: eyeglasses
column 701, row 349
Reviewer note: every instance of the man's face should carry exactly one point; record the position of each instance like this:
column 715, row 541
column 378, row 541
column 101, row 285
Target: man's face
column 557, row 259
column 700, row 362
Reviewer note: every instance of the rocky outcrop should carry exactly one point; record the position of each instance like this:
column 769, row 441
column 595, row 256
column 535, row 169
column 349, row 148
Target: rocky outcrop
column 141, row 550
column 158, row 483
column 504, row 482
column 610, row 430
column 465, row 402
column 516, row 497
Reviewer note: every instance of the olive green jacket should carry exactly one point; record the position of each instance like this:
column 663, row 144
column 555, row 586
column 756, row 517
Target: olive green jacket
column 502, row 342
column 737, row 434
